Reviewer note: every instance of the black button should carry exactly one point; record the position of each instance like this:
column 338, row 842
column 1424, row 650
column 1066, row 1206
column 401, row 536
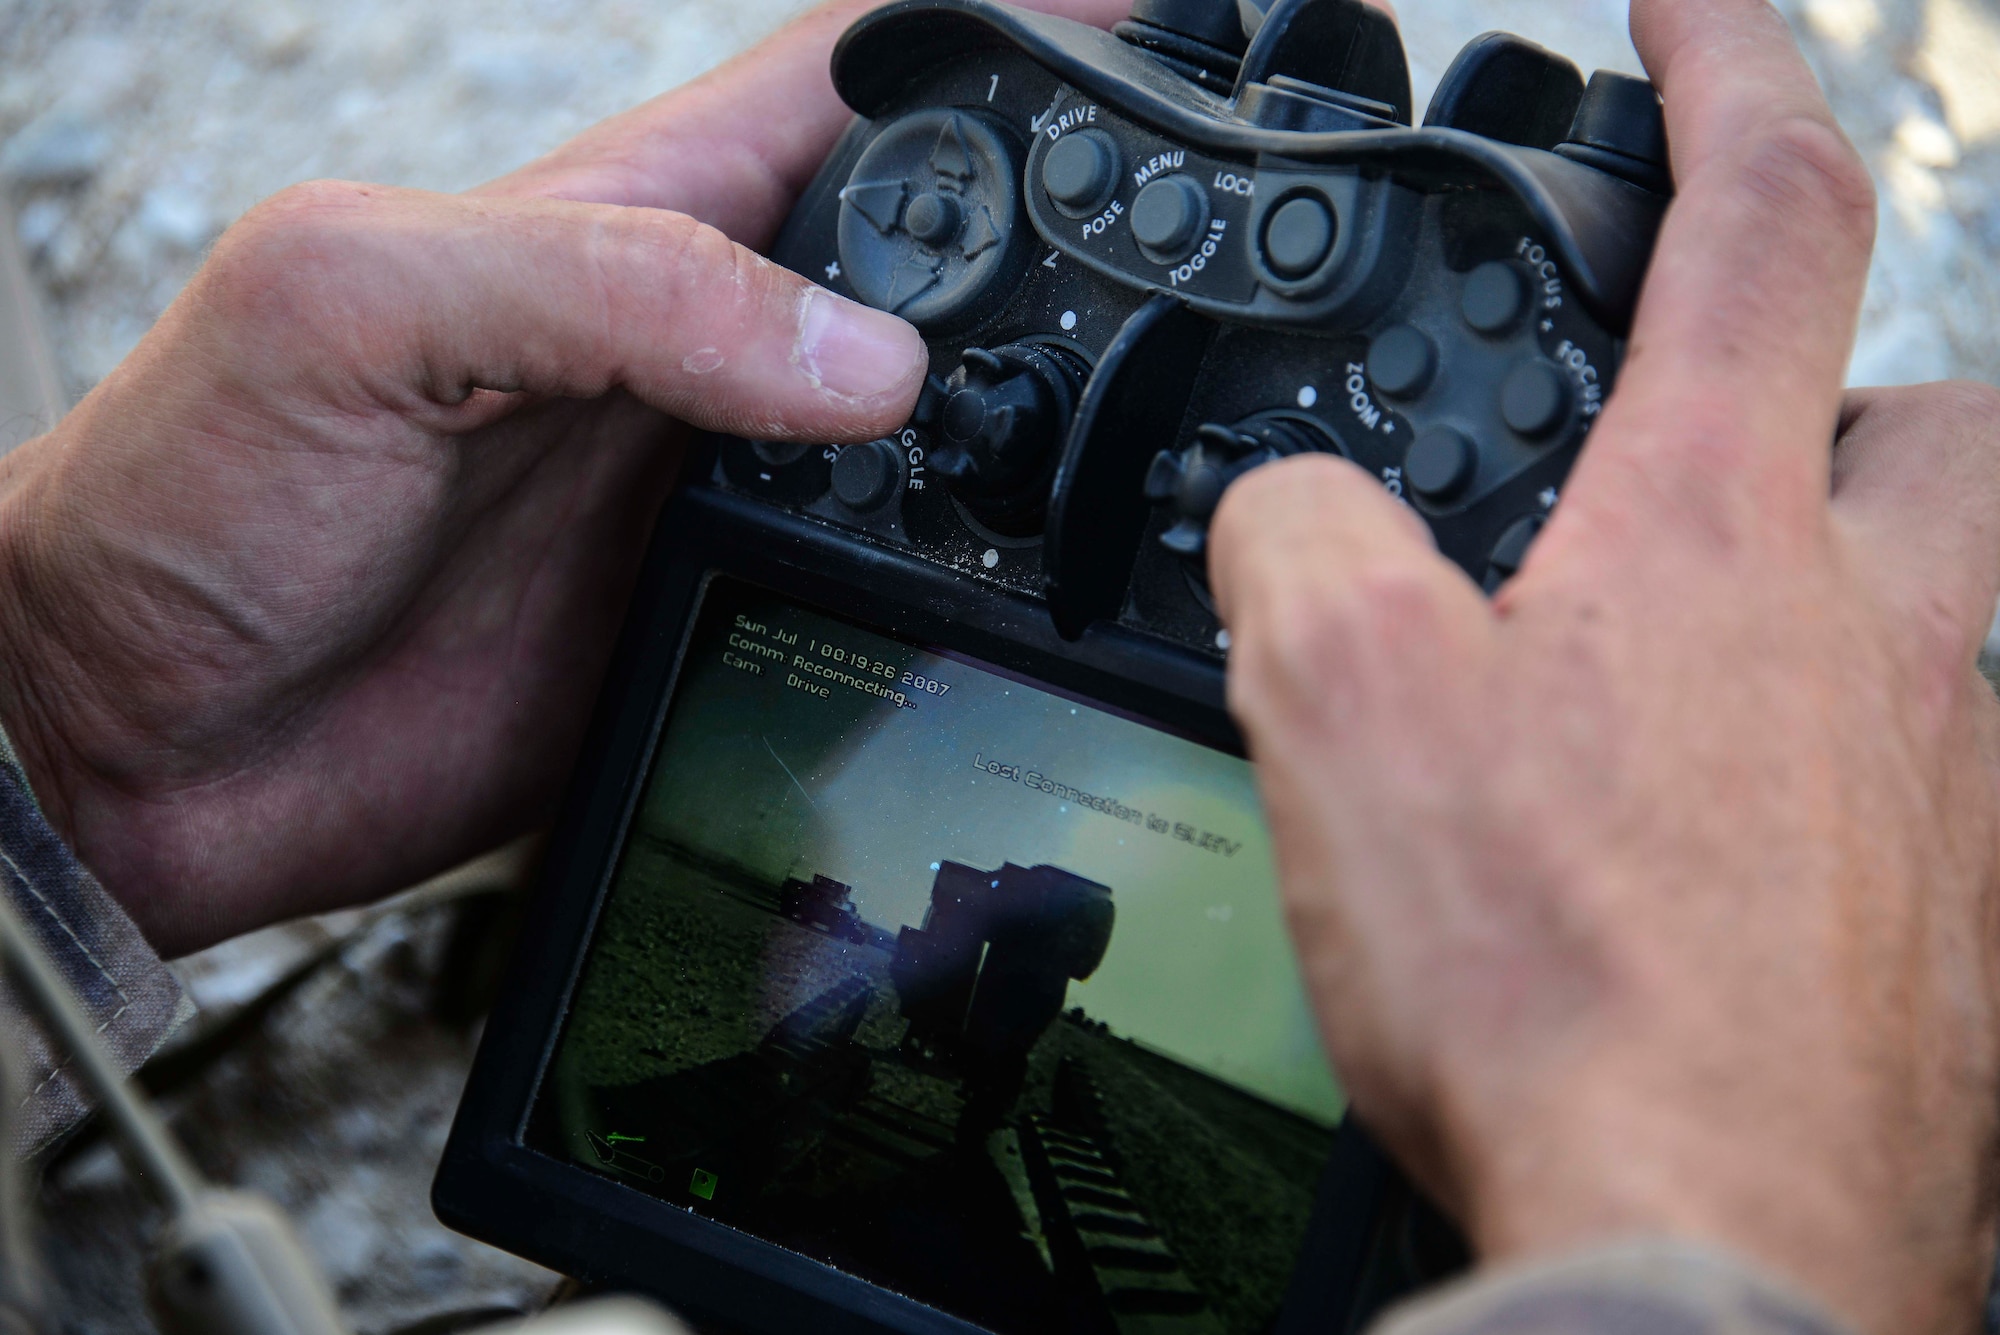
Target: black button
column 1493, row 298
column 1079, row 170
column 865, row 476
column 932, row 218
column 1439, row 463
column 1511, row 550
column 778, row 453
column 1169, row 214
column 1401, row 361
column 1534, row 399
column 1298, row 235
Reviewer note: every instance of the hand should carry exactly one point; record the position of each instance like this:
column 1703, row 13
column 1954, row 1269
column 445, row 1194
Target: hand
column 1656, row 895
column 310, row 597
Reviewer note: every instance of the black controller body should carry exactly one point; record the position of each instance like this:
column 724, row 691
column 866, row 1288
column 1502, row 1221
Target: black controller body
column 1145, row 263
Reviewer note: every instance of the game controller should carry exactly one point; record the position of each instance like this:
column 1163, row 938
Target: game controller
column 1150, row 260
column 908, row 956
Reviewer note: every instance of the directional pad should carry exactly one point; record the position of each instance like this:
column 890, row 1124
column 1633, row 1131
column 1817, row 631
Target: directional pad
column 911, row 279
column 951, row 157
column 927, row 215
column 880, row 202
column 980, row 235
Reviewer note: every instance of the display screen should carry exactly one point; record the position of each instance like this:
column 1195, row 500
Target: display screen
column 970, row 989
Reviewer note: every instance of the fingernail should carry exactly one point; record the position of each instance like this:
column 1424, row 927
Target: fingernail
column 855, row 351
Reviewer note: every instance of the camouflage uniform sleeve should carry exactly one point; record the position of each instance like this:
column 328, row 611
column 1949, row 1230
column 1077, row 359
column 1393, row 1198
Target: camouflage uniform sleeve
column 1646, row 1287
column 129, row 994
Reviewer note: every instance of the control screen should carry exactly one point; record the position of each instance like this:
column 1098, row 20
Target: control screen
column 975, row 991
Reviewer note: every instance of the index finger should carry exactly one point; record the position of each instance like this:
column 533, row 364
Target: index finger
column 1731, row 387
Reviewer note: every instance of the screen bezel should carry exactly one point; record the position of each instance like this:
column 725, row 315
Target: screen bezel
column 493, row 1186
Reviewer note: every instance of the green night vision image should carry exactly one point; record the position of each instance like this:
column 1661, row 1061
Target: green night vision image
column 970, row 989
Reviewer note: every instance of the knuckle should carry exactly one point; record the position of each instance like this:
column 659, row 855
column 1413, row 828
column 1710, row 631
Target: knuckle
column 697, row 262
column 1803, row 167
column 661, row 239
column 297, row 238
column 300, row 219
column 691, row 270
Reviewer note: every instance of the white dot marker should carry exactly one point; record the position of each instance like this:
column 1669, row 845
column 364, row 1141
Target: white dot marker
column 1222, row 640
column 991, row 559
column 1069, row 319
column 1308, row 396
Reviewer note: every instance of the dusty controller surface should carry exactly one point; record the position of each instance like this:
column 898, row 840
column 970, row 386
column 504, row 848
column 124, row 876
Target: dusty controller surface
column 1149, row 260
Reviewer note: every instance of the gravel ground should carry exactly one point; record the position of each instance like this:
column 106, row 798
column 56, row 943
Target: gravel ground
column 132, row 134
column 322, row 1068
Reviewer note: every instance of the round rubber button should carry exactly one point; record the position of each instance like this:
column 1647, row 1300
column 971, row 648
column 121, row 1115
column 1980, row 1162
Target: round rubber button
column 1168, row 215
column 1439, row 463
column 1534, row 399
column 1401, row 361
column 1510, row 551
column 1078, row 172
column 1298, row 235
column 779, row 453
column 1493, row 297
column 865, row 476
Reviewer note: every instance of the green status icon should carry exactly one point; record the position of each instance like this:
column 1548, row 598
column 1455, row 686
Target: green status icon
column 614, row 1138
column 703, row 1184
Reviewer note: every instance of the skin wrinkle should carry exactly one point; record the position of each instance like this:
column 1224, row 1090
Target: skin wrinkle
column 184, row 801
column 802, row 356
column 1775, row 872
column 604, row 301
column 275, row 291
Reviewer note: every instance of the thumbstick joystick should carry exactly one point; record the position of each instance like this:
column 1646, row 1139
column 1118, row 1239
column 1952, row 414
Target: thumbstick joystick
column 1000, row 425
column 1190, row 481
column 932, row 218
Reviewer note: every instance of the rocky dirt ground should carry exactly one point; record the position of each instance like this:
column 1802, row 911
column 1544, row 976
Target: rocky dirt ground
column 132, row 134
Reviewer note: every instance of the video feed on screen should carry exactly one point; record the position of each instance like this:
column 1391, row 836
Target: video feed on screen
column 972, row 990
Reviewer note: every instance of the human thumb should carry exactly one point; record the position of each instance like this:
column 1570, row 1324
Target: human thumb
column 440, row 295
